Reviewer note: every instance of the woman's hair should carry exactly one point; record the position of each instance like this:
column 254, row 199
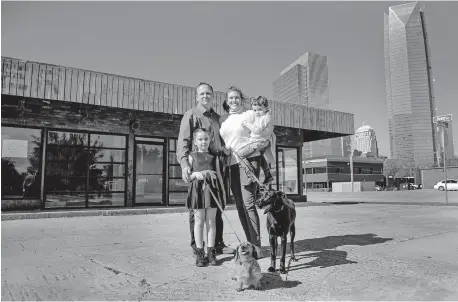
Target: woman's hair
column 199, row 130
column 225, row 106
column 236, row 89
column 260, row 101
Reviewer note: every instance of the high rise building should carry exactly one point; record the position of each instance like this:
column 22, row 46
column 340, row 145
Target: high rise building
column 366, row 141
column 409, row 85
column 305, row 81
column 448, row 140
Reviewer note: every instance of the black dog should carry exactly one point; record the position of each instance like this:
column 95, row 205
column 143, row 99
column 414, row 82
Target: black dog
column 281, row 216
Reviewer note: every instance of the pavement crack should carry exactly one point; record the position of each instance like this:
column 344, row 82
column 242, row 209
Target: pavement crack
column 421, row 237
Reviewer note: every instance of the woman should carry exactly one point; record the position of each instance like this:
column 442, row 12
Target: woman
column 243, row 188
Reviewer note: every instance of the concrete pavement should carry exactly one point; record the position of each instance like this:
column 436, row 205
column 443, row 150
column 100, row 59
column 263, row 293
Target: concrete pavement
column 345, row 252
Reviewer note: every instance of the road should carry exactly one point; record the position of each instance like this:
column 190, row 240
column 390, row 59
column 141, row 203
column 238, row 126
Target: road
column 345, row 252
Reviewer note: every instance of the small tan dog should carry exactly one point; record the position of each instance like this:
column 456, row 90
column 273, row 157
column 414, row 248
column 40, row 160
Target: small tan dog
column 246, row 267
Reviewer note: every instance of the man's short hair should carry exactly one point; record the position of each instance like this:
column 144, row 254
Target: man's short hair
column 204, row 84
column 260, row 101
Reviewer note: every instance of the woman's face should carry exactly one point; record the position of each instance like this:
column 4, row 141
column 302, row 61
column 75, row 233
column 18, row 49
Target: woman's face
column 234, row 100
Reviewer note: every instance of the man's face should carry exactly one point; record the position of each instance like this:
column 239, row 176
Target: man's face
column 204, row 96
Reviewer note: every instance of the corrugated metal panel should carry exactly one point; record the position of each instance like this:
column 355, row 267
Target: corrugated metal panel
column 31, row 79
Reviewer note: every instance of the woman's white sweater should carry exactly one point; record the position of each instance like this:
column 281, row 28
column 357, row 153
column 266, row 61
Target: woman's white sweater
column 234, row 134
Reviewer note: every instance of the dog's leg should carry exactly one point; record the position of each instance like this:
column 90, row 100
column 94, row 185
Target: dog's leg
column 239, row 285
column 283, row 254
column 292, row 230
column 273, row 252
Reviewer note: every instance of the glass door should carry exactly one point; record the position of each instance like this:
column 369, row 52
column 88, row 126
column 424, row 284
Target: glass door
column 287, row 170
column 149, row 173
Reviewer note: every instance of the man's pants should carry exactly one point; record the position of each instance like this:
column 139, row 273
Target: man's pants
column 219, row 227
column 244, row 191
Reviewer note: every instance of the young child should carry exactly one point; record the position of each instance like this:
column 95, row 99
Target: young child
column 261, row 136
column 204, row 181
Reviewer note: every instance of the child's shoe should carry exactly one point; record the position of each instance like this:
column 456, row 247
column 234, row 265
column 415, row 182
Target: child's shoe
column 211, row 252
column 201, row 259
column 267, row 177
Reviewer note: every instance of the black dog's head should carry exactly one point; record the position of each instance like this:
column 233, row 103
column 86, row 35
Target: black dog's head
column 269, row 199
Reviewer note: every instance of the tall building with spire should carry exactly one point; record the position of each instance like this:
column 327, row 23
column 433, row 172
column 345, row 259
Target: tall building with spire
column 409, row 85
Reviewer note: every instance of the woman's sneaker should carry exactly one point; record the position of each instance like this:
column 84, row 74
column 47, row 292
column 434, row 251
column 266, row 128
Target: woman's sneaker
column 222, row 248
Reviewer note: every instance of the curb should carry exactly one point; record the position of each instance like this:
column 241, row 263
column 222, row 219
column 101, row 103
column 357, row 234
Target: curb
column 114, row 212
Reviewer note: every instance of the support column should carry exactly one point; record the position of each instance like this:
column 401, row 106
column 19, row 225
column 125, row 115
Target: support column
column 130, row 168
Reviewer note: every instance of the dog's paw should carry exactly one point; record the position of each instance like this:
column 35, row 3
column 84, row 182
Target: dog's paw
column 258, row 287
column 293, row 259
column 282, row 270
column 239, row 289
column 271, row 269
column 234, row 278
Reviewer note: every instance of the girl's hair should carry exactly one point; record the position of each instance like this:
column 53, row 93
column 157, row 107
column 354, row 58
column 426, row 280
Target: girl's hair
column 199, row 130
column 260, row 101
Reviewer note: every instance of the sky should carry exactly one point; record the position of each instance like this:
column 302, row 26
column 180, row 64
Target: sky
column 246, row 44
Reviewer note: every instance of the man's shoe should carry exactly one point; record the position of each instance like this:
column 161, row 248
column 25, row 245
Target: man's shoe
column 221, row 248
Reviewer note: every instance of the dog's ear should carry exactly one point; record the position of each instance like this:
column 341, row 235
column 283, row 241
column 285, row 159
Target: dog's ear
column 237, row 256
column 255, row 252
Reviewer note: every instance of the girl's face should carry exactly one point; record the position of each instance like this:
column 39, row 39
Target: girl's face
column 259, row 110
column 234, row 100
column 202, row 141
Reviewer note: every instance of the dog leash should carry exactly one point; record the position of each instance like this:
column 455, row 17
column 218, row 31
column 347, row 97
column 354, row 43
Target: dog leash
column 247, row 169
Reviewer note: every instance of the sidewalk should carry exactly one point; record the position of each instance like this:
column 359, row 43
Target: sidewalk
column 416, row 197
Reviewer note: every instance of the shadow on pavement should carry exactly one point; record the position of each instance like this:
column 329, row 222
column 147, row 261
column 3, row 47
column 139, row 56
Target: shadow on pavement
column 324, row 250
column 274, row 280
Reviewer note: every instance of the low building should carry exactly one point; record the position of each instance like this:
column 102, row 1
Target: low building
column 430, row 177
column 322, row 172
column 74, row 138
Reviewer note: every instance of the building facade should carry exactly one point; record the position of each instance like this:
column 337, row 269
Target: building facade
column 409, row 85
column 366, row 141
column 305, row 81
column 448, row 142
column 75, row 138
column 321, row 173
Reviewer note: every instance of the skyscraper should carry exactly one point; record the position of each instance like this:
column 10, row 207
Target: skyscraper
column 305, row 81
column 409, row 85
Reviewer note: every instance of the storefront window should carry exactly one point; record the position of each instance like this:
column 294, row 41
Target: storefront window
column 21, row 159
column 84, row 169
column 178, row 189
column 288, row 170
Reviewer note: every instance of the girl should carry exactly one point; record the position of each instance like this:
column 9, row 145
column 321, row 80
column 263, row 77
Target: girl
column 204, row 180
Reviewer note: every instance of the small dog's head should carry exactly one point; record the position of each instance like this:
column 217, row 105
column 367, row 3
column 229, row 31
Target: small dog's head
column 245, row 252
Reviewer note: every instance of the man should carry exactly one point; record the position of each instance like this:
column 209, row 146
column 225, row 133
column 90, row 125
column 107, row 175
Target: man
column 201, row 116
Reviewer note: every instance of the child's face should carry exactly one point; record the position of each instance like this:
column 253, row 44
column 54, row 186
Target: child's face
column 202, row 141
column 259, row 109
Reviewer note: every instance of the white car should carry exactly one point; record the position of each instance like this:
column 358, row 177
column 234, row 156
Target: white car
column 452, row 185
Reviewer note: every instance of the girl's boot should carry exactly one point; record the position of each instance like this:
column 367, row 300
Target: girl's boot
column 211, row 256
column 201, row 259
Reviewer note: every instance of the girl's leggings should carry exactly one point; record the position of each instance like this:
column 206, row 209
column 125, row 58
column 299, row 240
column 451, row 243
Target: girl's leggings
column 205, row 216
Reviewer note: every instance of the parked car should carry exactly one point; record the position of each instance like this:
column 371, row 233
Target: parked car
column 452, row 185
